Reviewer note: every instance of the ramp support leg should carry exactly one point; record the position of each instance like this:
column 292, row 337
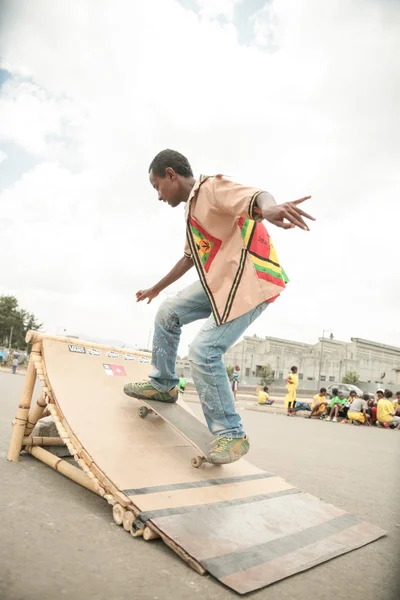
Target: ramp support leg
column 36, row 413
column 63, row 467
column 20, row 421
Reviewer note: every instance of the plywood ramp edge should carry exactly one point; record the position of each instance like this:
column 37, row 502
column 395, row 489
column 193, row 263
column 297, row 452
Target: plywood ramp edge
column 33, row 337
column 102, row 485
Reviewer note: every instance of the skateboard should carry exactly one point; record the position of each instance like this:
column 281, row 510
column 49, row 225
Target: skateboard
column 187, row 425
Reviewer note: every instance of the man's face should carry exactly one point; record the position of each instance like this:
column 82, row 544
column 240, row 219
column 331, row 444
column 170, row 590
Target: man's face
column 168, row 188
column 353, row 395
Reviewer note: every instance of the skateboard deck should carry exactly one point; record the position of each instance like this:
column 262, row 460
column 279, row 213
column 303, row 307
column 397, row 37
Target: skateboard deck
column 186, row 424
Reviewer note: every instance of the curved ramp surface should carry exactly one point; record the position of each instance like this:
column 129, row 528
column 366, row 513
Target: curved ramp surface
column 247, row 527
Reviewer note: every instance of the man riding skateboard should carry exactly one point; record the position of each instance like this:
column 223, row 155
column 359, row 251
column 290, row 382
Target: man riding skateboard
column 239, row 276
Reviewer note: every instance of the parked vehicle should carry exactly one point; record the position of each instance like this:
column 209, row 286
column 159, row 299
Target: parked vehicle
column 345, row 388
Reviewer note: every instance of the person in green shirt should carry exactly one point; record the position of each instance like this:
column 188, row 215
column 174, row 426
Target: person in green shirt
column 182, row 384
column 337, row 403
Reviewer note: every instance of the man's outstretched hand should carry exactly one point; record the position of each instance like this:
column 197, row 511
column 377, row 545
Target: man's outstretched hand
column 287, row 215
column 150, row 294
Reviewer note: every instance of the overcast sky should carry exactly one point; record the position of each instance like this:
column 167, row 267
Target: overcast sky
column 295, row 97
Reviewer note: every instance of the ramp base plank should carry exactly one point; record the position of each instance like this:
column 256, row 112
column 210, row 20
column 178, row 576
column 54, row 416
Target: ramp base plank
column 246, row 527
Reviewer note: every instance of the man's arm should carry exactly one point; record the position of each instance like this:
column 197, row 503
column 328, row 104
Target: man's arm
column 182, row 266
column 286, row 215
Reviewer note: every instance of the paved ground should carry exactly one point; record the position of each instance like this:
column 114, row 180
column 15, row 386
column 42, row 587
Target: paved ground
column 59, row 540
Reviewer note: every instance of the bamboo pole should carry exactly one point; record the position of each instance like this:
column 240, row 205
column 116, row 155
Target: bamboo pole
column 149, row 534
column 20, row 421
column 36, row 413
column 118, row 513
column 34, row 440
column 137, row 529
column 35, row 336
column 127, row 520
column 63, row 467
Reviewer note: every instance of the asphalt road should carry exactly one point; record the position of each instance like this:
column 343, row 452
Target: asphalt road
column 58, row 540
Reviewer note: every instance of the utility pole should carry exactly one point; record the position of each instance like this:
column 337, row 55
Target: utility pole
column 321, row 354
column 10, row 340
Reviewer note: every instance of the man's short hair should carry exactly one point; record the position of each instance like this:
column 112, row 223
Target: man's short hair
column 173, row 159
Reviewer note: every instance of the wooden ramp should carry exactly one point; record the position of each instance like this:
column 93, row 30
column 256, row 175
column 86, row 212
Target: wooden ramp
column 246, row 527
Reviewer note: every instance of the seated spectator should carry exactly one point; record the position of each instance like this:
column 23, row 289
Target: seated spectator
column 332, row 403
column 372, row 411
column 263, row 397
column 344, row 411
column 386, row 411
column 337, row 405
column 302, row 406
column 396, row 403
column 319, row 404
column 358, row 411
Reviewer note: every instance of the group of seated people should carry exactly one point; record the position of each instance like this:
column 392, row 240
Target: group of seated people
column 382, row 411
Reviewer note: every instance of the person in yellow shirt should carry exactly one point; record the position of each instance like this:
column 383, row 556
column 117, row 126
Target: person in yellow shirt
column 263, row 397
column 386, row 411
column 358, row 411
column 319, row 404
column 292, row 383
column 396, row 403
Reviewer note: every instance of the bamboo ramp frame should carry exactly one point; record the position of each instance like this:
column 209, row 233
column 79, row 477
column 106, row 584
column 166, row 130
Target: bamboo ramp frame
column 235, row 521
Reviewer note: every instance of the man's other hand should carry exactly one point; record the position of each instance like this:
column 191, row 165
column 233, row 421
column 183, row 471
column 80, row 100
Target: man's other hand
column 288, row 215
column 150, row 294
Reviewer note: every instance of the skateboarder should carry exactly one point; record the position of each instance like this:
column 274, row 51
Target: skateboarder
column 239, row 276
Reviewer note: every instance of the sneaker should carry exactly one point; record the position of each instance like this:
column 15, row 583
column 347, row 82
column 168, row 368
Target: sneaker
column 227, row 450
column 328, row 419
column 144, row 390
column 334, row 419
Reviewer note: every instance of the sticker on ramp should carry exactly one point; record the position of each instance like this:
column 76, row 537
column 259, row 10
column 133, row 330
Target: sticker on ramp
column 129, row 357
column 144, row 359
column 112, row 354
column 114, row 370
column 78, row 349
column 93, row 352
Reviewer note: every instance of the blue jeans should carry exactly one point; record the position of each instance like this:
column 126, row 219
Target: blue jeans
column 302, row 406
column 205, row 355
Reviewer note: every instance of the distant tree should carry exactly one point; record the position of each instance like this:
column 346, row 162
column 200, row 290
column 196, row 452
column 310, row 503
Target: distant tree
column 266, row 375
column 229, row 371
column 351, row 377
column 185, row 357
column 15, row 322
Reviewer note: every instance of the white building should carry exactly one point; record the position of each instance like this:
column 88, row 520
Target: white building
column 327, row 360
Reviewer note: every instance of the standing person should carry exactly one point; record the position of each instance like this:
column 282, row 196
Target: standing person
column 319, row 404
column 240, row 276
column 15, row 364
column 358, row 411
column 235, row 380
column 182, row 384
column 292, row 383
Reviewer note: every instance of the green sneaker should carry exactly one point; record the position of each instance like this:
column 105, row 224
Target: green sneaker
column 227, row 450
column 143, row 390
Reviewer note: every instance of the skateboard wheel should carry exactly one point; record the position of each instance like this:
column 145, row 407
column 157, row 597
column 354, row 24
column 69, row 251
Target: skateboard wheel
column 197, row 461
column 143, row 411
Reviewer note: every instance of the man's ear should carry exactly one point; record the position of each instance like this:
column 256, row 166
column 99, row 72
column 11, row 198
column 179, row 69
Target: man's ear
column 170, row 173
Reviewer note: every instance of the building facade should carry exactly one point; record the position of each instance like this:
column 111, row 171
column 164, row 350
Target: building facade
column 377, row 365
column 326, row 361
